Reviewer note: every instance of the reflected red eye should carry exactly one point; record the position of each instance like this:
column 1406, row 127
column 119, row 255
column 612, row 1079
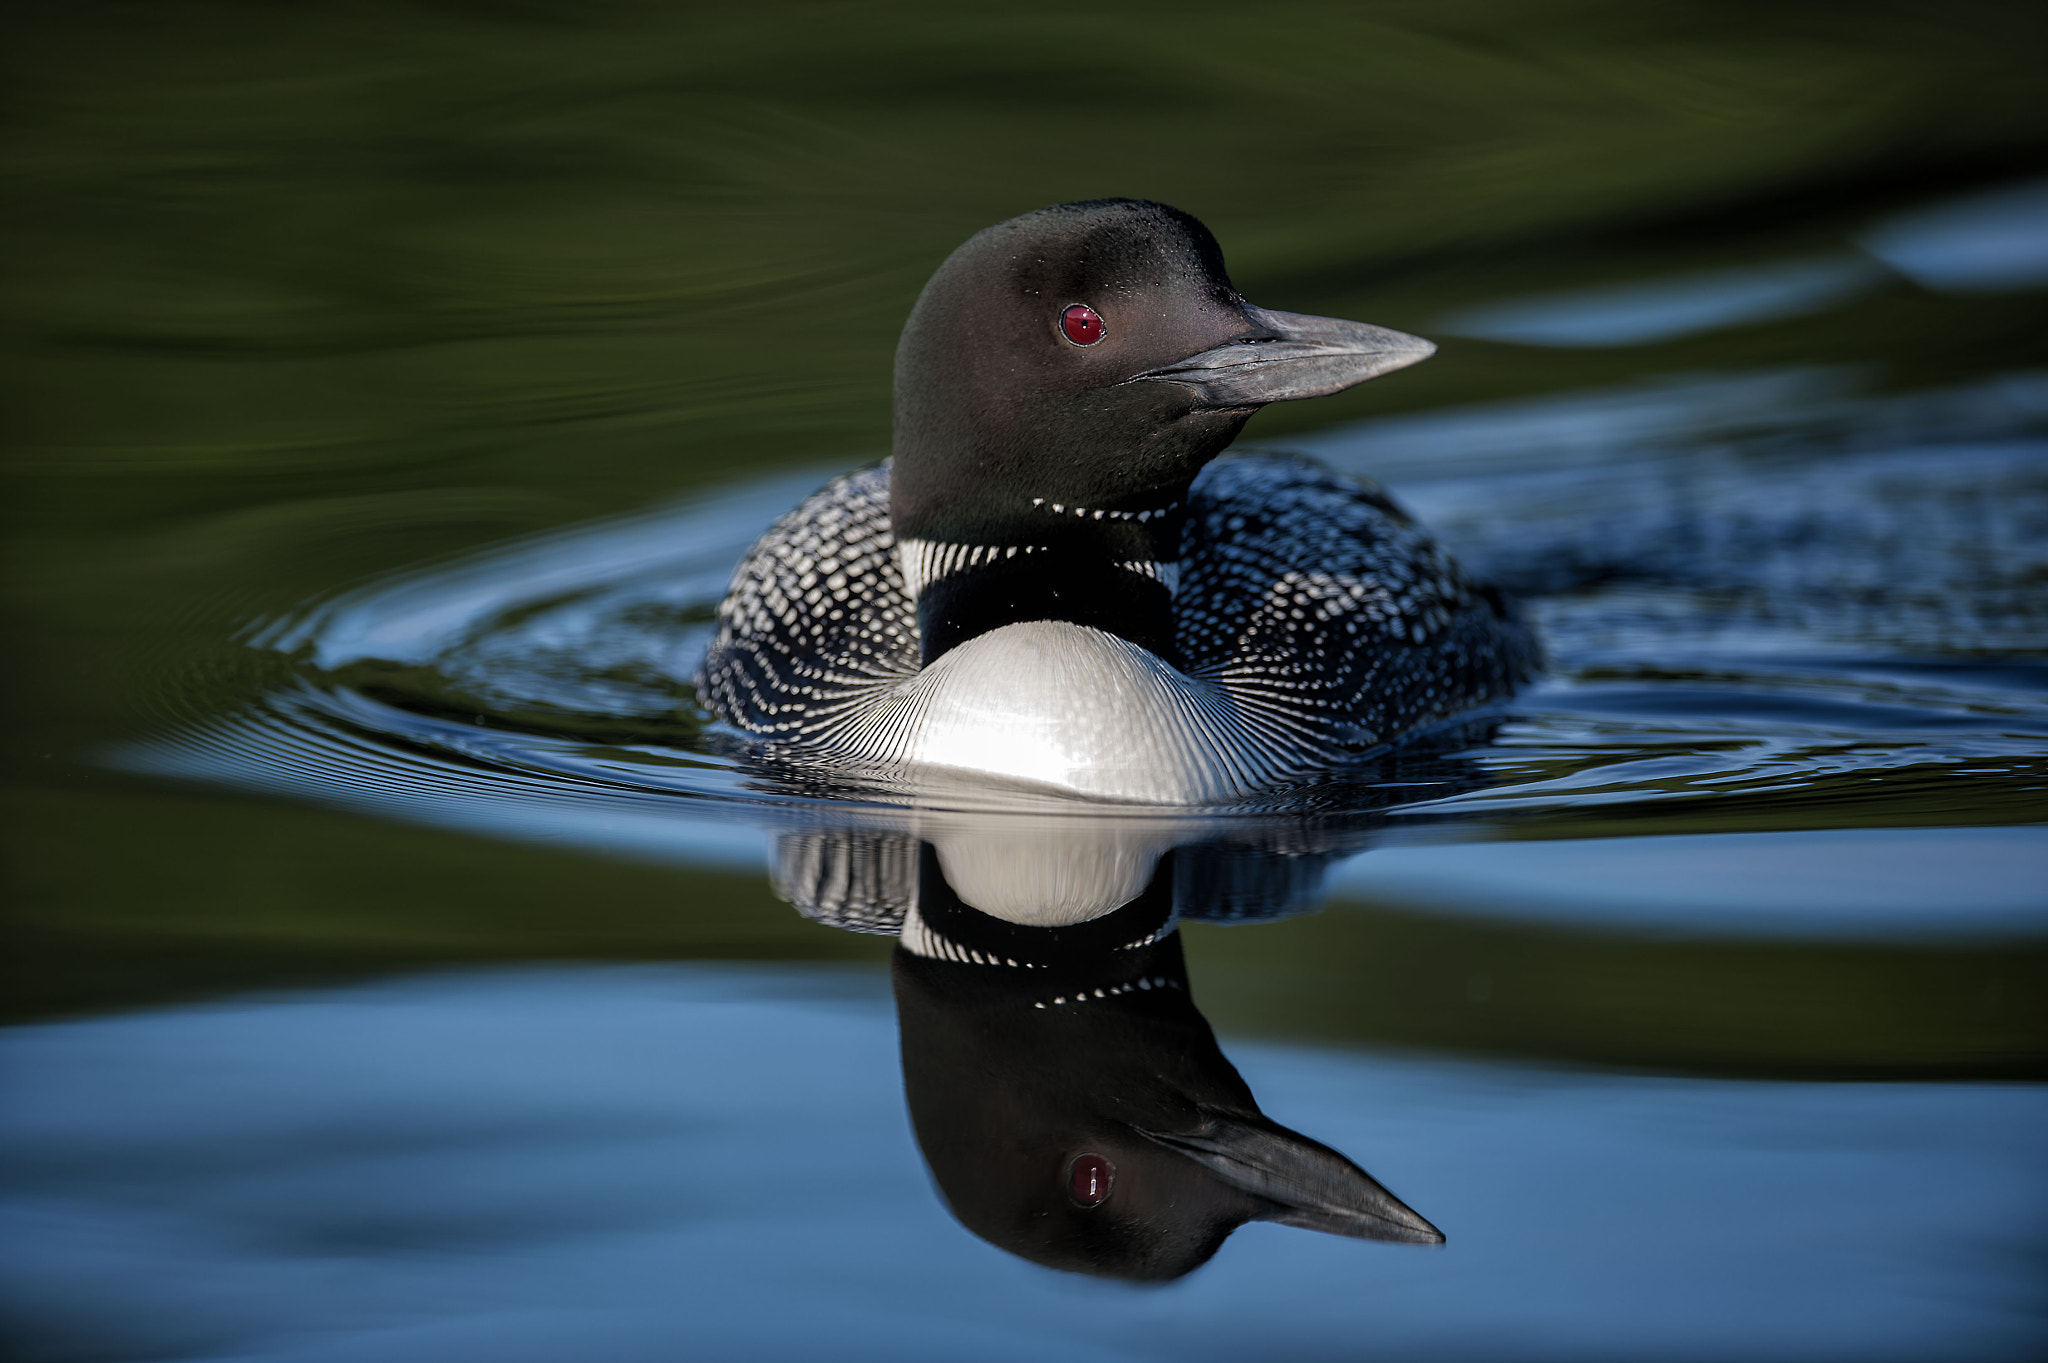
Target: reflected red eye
column 1089, row 1179
column 1081, row 324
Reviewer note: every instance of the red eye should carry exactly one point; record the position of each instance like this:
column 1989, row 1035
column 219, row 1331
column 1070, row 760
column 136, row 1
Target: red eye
column 1089, row 1177
column 1081, row 324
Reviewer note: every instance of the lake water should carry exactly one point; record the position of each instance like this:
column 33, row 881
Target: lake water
column 403, row 966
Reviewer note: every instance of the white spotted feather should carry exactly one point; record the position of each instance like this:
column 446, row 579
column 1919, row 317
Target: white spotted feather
column 1315, row 621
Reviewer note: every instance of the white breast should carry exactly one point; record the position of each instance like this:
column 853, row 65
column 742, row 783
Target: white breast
column 1049, row 703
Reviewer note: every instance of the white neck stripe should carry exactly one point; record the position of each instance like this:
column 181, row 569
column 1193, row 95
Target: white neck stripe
column 1096, row 514
column 926, row 561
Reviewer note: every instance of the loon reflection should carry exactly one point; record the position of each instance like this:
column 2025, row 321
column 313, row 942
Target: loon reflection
column 1070, row 1100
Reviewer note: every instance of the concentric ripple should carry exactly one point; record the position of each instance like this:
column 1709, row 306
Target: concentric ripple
column 1773, row 602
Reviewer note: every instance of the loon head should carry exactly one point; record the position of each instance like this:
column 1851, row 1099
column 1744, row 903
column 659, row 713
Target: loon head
column 1061, row 380
column 1073, row 1105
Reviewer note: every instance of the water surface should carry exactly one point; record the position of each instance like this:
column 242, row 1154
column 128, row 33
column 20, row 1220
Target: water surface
column 536, row 1164
column 396, row 962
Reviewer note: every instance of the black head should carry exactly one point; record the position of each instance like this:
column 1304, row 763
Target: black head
column 995, row 405
column 1061, row 381
column 1003, row 409
column 1074, row 1108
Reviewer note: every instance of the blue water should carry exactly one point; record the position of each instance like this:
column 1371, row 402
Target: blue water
column 1694, row 992
column 657, row 1162
column 1764, row 594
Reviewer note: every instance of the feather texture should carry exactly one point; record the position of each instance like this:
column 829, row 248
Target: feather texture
column 1316, row 621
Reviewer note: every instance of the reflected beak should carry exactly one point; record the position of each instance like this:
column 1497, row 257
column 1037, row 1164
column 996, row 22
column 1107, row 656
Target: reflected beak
column 1291, row 356
column 1308, row 1185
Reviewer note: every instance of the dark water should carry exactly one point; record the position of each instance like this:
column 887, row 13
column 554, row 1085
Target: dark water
column 394, row 969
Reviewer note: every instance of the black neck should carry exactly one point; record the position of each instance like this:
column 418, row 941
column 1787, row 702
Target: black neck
column 1080, row 589
column 1064, row 567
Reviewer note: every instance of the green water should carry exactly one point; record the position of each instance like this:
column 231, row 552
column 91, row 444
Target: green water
column 391, row 968
column 297, row 296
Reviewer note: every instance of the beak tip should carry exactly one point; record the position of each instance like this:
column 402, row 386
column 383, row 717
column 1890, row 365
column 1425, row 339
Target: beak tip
column 1408, row 350
column 1404, row 1224
column 1298, row 1182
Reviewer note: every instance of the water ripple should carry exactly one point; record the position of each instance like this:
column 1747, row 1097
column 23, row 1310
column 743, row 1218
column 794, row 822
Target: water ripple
column 1773, row 602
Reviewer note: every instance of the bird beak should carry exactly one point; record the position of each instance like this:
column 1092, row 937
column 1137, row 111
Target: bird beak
column 1290, row 356
column 1306, row 1184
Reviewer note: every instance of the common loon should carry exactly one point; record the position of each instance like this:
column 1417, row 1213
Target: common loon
column 1069, row 1097
column 1055, row 582
column 1073, row 1105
